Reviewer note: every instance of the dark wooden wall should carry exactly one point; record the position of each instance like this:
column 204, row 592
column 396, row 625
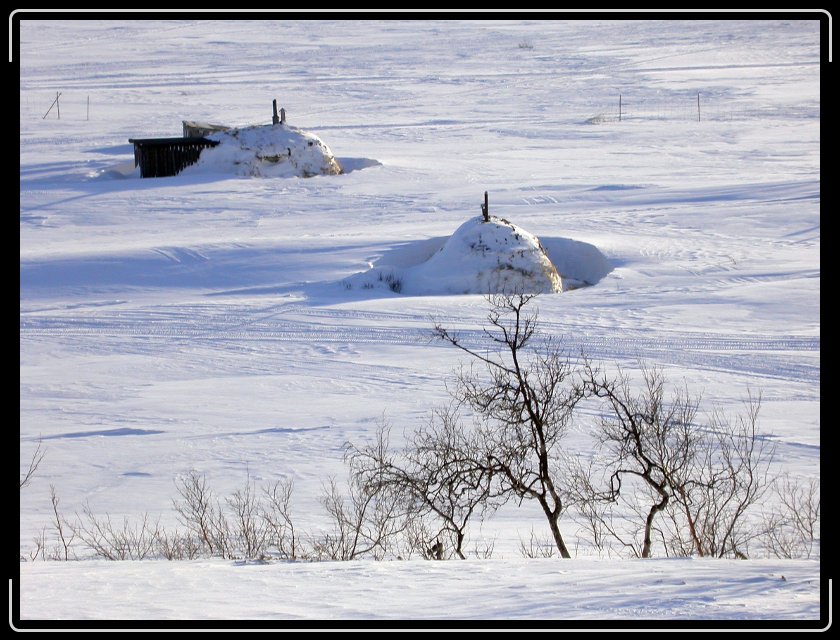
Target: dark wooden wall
column 158, row 157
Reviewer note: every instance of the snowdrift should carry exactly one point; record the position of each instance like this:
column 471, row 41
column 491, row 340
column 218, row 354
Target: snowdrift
column 273, row 150
column 492, row 256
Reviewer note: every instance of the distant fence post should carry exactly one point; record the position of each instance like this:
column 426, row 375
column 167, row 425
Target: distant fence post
column 485, row 209
column 54, row 103
column 275, row 118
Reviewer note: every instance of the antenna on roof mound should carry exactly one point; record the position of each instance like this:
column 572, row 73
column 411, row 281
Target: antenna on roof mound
column 485, row 209
column 274, row 118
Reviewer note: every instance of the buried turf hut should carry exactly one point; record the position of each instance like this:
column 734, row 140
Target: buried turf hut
column 274, row 150
column 485, row 255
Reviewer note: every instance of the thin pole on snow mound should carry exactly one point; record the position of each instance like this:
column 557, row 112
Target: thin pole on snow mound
column 485, row 209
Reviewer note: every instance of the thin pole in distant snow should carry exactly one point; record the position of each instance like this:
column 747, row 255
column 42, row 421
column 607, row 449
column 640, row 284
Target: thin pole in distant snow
column 57, row 106
column 54, row 103
column 619, row 107
column 698, row 106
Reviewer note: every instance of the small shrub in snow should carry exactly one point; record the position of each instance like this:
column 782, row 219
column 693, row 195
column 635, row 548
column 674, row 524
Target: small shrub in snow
column 365, row 521
column 390, row 280
column 484, row 549
column 202, row 514
column 176, row 545
column 249, row 529
column 537, row 547
column 791, row 528
column 277, row 514
column 119, row 541
column 65, row 532
column 441, row 487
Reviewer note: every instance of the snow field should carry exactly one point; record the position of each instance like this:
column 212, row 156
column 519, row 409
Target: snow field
column 202, row 321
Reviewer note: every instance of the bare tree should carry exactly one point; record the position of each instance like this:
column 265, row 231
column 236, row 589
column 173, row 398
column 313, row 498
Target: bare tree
column 203, row 515
column 65, row 532
column 365, row 521
column 646, row 435
column 437, row 475
column 250, row 531
column 609, row 518
column 702, row 474
column 524, row 399
column 34, row 463
column 195, row 508
column 791, row 528
column 729, row 475
column 278, row 519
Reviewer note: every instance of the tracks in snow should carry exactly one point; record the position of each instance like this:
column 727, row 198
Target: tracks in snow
column 224, row 327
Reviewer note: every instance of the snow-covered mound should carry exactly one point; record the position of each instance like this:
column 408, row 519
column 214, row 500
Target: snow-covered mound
column 272, row 150
column 493, row 256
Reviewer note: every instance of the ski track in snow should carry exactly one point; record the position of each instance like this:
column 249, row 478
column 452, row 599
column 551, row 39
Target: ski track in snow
column 758, row 355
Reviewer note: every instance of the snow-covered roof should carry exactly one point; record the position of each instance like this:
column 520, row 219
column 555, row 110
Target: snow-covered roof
column 272, row 150
column 481, row 256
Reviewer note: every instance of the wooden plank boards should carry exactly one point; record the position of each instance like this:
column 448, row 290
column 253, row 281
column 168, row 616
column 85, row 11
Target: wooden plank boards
column 159, row 157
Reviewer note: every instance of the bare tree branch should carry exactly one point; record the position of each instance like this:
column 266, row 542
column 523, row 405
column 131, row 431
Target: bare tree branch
column 34, row 463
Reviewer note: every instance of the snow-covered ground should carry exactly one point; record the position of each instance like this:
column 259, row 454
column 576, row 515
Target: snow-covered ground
column 203, row 321
column 537, row 589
